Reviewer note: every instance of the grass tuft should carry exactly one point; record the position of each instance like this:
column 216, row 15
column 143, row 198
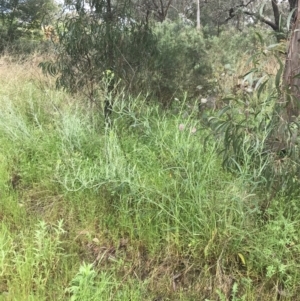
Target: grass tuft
column 142, row 210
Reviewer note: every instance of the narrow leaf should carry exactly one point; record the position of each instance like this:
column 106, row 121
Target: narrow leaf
column 261, row 10
column 279, row 74
column 261, row 87
column 288, row 21
column 242, row 258
column 273, row 46
column 260, row 37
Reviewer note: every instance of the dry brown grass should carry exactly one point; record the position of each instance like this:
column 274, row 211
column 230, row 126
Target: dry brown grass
column 22, row 80
column 16, row 71
column 229, row 83
column 268, row 64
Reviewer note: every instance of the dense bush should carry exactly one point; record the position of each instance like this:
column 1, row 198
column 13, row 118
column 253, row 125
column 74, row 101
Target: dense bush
column 163, row 60
column 87, row 48
column 20, row 26
column 229, row 52
column 231, row 44
column 181, row 63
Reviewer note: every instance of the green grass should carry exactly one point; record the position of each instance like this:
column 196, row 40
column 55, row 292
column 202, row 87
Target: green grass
column 139, row 211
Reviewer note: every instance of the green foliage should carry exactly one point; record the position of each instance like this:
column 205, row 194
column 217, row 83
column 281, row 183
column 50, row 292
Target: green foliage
column 36, row 259
column 88, row 285
column 88, row 47
column 148, row 210
column 163, row 60
column 231, row 46
column 83, row 284
column 257, row 144
column 21, row 23
column 181, row 63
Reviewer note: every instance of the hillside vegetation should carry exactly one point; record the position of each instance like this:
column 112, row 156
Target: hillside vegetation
column 148, row 208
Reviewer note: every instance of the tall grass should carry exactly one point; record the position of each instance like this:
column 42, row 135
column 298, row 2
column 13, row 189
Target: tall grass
column 142, row 210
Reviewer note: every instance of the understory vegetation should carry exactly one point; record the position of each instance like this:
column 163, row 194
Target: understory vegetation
column 148, row 154
column 178, row 204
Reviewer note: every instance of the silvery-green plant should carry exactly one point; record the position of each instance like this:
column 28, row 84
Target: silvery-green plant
column 82, row 286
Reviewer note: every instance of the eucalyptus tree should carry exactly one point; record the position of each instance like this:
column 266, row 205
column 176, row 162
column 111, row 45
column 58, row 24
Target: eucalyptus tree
column 161, row 10
column 106, row 45
column 155, row 9
column 100, row 43
column 217, row 15
column 20, row 17
column 273, row 13
column 283, row 17
column 198, row 15
column 291, row 73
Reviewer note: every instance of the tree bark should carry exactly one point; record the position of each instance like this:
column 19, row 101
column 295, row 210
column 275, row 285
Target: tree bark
column 288, row 104
column 110, row 59
column 291, row 75
column 198, row 15
column 161, row 10
column 276, row 12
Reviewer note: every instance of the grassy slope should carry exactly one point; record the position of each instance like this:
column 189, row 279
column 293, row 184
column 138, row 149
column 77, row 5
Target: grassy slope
column 139, row 212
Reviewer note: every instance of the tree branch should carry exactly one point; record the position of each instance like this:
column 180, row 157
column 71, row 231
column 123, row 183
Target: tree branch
column 168, row 5
column 276, row 12
column 155, row 5
column 274, row 26
column 262, row 19
column 162, row 8
column 232, row 10
column 161, row 12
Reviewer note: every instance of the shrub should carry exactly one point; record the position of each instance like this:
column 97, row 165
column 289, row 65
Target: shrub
column 163, row 60
column 181, row 63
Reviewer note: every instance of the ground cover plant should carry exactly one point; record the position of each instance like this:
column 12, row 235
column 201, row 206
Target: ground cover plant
column 143, row 209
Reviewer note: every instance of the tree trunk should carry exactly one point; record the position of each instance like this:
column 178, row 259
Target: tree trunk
column 110, row 59
column 288, row 107
column 291, row 78
column 276, row 14
column 198, row 15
